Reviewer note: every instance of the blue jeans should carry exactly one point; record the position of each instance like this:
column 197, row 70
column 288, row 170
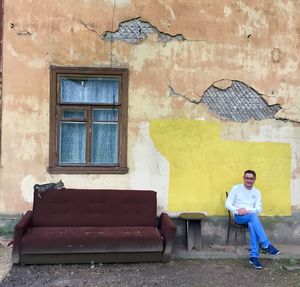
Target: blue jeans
column 257, row 232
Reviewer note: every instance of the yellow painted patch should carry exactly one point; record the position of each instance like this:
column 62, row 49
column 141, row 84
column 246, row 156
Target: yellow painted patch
column 203, row 166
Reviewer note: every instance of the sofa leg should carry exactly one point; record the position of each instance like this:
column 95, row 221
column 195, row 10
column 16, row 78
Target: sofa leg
column 166, row 258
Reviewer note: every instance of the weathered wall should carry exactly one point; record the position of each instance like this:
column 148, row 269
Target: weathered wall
column 176, row 52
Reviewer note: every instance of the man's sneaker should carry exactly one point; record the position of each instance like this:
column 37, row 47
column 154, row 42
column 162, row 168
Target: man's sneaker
column 255, row 262
column 272, row 250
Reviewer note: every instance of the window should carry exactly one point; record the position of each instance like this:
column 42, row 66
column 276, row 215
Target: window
column 88, row 120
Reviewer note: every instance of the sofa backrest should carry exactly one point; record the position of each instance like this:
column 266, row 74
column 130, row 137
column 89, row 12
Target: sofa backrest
column 91, row 207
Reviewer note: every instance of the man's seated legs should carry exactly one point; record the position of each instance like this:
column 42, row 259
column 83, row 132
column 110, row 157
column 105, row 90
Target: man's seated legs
column 257, row 231
column 257, row 234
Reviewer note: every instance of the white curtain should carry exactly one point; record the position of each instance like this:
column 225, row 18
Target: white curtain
column 72, row 142
column 104, row 149
column 92, row 90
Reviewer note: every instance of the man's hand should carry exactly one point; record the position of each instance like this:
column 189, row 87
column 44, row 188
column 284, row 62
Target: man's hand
column 243, row 211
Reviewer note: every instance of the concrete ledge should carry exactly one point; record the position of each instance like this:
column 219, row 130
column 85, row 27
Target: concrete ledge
column 7, row 224
column 280, row 230
column 233, row 252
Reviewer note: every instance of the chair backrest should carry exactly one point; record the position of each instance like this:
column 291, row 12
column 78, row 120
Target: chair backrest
column 230, row 215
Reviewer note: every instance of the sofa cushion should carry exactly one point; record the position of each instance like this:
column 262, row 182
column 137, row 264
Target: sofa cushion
column 57, row 240
column 91, row 207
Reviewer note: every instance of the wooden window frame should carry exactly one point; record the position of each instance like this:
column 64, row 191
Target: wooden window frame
column 55, row 107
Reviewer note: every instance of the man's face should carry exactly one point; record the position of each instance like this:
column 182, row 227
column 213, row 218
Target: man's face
column 249, row 180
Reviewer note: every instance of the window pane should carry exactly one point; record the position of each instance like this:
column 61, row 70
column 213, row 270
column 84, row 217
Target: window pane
column 73, row 114
column 105, row 115
column 72, row 143
column 90, row 90
column 105, row 143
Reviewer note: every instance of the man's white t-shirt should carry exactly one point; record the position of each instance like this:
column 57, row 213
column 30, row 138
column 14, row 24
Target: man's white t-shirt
column 241, row 197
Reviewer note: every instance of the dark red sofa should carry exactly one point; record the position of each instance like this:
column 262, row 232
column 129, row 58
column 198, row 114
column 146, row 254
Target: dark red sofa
column 85, row 225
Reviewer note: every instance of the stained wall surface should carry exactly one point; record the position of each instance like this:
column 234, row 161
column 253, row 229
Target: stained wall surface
column 213, row 90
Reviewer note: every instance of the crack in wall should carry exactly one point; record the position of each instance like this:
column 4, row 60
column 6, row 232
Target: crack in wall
column 22, row 32
column 89, row 28
column 288, row 119
column 135, row 31
column 193, row 98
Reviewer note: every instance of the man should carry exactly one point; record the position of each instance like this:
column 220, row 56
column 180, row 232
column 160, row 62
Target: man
column 244, row 201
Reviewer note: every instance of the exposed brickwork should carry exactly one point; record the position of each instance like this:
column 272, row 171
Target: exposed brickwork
column 238, row 103
column 136, row 30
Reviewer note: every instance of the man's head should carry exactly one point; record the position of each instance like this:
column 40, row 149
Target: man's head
column 249, row 178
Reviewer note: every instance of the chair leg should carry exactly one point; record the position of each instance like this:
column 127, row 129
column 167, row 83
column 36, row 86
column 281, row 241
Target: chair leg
column 228, row 232
column 236, row 230
column 244, row 235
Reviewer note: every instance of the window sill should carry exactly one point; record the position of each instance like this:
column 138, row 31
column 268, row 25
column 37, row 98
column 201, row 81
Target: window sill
column 87, row 170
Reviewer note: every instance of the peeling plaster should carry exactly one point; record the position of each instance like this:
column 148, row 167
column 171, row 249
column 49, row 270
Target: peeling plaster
column 153, row 171
column 169, row 8
column 135, row 31
column 38, row 63
column 119, row 2
column 223, row 84
column 256, row 17
column 276, row 55
column 233, row 100
column 190, row 96
column 147, row 52
column 287, row 114
column 290, row 68
column 13, row 52
column 238, row 103
column 227, row 11
column 288, row 7
column 27, row 184
column 295, row 197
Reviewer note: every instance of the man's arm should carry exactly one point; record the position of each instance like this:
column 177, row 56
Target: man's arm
column 229, row 204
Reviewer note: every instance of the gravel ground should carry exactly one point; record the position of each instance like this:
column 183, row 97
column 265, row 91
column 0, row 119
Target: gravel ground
column 179, row 272
column 196, row 272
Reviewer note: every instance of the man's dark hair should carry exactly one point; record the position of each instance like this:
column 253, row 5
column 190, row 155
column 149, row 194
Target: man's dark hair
column 250, row 171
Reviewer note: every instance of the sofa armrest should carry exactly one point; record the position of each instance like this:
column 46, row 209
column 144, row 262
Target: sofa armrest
column 168, row 230
column 20, row 230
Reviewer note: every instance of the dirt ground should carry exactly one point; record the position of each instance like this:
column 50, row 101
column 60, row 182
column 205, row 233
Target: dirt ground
column 5, row 259
column 194, row 273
